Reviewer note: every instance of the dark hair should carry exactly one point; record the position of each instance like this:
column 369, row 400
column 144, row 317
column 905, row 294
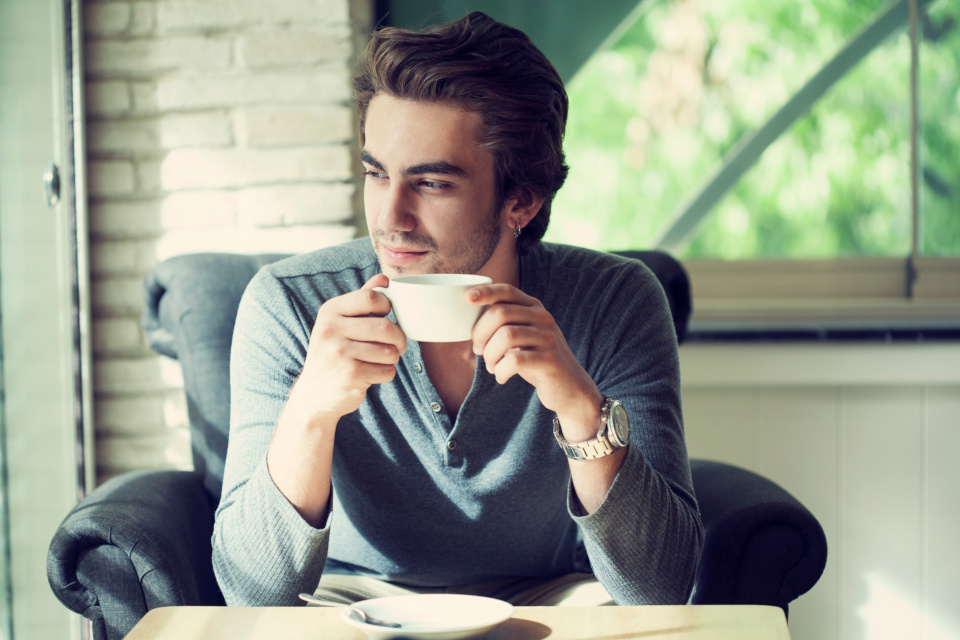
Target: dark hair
column 494, row 70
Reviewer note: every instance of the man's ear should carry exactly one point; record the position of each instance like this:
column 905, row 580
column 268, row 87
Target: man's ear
column 522, row 205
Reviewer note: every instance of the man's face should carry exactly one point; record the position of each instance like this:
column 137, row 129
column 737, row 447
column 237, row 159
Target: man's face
column 429, row 191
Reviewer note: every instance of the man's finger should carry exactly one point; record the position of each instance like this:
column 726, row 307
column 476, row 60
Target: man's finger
column 496, row 318
column 375, row 330
column 487, row 294
column 376, row 353
column 362, row 302
column 379, row 280
column 506, row 339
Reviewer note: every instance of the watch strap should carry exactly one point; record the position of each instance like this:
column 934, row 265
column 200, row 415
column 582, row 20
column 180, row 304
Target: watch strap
column 589, row 450
column 595, row 447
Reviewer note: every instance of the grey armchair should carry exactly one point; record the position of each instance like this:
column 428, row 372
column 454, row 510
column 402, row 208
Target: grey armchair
column 142, row 539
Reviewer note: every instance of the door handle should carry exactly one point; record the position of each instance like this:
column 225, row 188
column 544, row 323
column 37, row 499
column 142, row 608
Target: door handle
column 51, row 184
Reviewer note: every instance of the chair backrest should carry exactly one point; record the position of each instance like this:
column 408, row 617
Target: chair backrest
column 190, row 307
column 675, row 282
column 189, row 311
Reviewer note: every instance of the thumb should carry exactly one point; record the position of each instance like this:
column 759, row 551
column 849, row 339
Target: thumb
column 379, row 280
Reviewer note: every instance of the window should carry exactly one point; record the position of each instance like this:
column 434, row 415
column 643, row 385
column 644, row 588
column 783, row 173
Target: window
column 770, row 145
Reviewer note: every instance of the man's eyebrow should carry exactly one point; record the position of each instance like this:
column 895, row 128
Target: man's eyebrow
column 369, row 159
column 439, row 167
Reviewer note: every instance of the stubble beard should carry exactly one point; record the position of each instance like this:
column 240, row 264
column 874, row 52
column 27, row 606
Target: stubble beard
column 466, row 255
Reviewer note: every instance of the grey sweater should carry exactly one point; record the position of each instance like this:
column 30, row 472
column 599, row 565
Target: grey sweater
column 426, row 501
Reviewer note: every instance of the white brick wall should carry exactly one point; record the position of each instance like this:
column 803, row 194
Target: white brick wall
column 212, row 125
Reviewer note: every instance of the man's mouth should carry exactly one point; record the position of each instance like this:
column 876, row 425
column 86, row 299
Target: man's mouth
column 401, row 255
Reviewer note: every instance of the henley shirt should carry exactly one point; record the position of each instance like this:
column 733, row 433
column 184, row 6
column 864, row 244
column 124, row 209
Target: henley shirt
column 424, row 500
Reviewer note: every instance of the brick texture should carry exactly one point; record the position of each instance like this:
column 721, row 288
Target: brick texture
column 212, row 125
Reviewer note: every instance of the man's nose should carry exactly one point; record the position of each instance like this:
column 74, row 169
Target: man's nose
column 396, row 211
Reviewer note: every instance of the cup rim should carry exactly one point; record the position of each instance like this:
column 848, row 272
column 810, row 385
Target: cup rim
column 443, row 279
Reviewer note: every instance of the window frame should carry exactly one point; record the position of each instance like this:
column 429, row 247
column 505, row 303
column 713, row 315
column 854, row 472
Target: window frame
column 843, row 293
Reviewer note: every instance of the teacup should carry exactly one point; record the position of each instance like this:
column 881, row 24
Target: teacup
column 433, row 307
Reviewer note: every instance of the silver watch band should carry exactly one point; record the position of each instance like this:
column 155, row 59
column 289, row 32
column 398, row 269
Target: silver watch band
column 593, row 448
column 589, row 450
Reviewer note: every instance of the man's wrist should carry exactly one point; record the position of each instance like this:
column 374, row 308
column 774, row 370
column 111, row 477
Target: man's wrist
column 582, row 421
column 613, row 433
column 301, row 411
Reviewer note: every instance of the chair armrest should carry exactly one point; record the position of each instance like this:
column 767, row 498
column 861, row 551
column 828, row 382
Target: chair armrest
column 139, row 541
column 761, row 545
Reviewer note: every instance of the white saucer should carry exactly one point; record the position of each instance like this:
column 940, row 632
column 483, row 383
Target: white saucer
column 438, row 616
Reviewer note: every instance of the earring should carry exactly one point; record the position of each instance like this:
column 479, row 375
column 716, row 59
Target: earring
column 516, row 231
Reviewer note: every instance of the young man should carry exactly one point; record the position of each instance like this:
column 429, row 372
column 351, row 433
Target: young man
column 363, row 464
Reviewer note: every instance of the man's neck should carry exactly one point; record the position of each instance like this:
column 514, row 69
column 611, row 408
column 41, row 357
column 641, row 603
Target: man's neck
column 451, row 367
column 503, row 267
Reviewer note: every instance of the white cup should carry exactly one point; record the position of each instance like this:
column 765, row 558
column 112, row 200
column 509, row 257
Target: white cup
column 432, row 307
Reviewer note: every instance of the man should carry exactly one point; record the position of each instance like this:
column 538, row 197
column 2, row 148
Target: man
column 363, row 464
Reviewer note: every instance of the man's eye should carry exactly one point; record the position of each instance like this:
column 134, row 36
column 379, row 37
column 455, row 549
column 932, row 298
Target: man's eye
column 433, row 185
column 371, row 173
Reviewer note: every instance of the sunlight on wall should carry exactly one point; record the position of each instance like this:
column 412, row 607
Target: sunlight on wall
column 177, row 454
column 890, row 613
column 246, row 240
column 170, row 372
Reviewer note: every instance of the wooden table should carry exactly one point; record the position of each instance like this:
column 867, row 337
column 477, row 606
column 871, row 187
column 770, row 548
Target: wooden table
column 528, row 623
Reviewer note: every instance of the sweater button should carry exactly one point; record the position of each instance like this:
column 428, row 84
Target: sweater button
column 417, row 367
column 435, row 407
column 452, row 445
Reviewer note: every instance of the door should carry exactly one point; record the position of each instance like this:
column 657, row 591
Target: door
column 40, row 318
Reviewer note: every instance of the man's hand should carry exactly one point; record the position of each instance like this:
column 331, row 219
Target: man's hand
column 517, row 336
column 352, row 346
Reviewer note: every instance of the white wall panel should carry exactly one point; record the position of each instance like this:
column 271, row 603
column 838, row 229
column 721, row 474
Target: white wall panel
column 868, row 439
column 720, row 425
column 880, row 513
column 800, row 451
column 941, row 512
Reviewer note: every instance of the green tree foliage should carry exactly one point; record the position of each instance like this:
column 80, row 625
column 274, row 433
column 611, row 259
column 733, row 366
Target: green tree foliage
column 653, row 115
column 940, row 129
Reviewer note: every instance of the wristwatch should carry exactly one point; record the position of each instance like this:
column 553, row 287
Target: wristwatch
column 613, row 434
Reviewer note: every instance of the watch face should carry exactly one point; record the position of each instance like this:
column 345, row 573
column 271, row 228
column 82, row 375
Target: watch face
column 621, row 424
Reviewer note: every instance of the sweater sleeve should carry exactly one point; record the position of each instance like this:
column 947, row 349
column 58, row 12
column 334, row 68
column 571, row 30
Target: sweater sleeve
column 644, row 540
column 264, row 553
